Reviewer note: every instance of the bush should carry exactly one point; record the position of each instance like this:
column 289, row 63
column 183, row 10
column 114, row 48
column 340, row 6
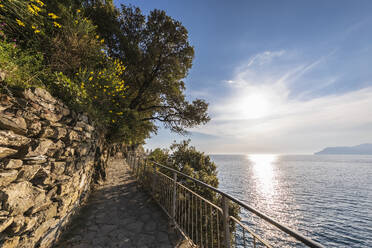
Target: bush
column 20, row 68
column 188, row 160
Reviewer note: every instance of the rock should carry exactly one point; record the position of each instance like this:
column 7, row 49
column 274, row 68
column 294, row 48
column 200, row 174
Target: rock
column 8, row 176
column 73, row 136
column 14, row 164
column 17, row 225
column 5, row 152
column 40, row 177
column 3, row 213
column 29, row 223
column 27, row 172
column 5, row 223
column 48, row 240
column 42, row 148
column 9, row 138
column 43, row 228
column 61, row 132
column 58, row 167
column 51, row 116
column 35, row 160
column 48, row 133
column 11, row 242
column 34, row 128
column 16, row 124
column 38, row 94
column 20, row 197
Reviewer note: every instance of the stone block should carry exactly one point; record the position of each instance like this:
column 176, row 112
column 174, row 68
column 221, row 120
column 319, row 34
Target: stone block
column 33, row 160
column 42, row 148
column 11, row 242
column 4, row 224
column 7, row 176
column 34, row 128
column 49, row 133
column 10, row 139
column 16, row 124
column 6, row 152
column 14, row 164
column 74, row 136
column 58, row 167
column 61, row 132
column 19, row 197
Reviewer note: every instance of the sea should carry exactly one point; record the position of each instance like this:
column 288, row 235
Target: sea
column 327, row 198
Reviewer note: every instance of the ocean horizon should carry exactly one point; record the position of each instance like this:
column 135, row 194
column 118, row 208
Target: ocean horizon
column 327, row 198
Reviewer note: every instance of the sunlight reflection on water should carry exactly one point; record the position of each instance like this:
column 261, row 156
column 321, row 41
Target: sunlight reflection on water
column 263, row 173
column 326, row 198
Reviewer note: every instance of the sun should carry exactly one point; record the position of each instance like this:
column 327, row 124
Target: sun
column 254, row 106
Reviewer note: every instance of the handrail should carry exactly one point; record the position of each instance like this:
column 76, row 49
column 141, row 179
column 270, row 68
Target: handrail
column 284, row 228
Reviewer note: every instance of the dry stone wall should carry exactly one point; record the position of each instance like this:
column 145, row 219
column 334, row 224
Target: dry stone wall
column 49, row 158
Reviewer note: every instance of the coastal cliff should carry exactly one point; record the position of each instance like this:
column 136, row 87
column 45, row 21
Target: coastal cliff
column 363, row 149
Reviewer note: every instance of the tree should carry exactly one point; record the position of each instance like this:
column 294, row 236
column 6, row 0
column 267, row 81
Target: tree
column 157, row 55
column 188, row 160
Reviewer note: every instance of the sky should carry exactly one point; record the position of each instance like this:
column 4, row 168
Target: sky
column 281, row 77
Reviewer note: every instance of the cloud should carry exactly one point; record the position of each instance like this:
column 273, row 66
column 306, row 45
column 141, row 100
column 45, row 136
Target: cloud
column 261, row 115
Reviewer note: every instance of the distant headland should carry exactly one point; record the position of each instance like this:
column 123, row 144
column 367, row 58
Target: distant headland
column 363, row 149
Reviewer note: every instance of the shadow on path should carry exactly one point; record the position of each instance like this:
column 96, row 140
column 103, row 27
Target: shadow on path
column 117, row 214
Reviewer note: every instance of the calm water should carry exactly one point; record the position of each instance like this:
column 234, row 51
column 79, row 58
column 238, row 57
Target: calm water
column 326, row 197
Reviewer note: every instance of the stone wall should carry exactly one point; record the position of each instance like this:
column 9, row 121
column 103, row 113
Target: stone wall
column 49, row 157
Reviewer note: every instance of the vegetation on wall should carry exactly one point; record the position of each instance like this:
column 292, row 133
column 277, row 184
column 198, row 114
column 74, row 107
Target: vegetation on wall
column 124, row 68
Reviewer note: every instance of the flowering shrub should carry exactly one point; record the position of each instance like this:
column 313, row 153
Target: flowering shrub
column 101, row 89
column 28, row 20
column 74, row 67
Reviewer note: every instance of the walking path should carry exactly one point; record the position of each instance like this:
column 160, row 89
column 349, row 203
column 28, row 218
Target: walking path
column 117, row 214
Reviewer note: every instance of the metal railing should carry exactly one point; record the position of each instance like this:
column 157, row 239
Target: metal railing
column 202, row 222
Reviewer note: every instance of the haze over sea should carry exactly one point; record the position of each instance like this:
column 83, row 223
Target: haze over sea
column 326, row 197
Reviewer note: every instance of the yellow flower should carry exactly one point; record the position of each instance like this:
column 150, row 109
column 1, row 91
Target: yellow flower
column 56, row 24
column 91, row 78
column 110, row 111
column 78, row 10
column 37, row 31
column 76, row 22
column 103, row 40
column 33, row 27
column 1, row 5
column 97, row 36
column 20, row 23
column 53, row 16
column 113, row 121
column 39, row 2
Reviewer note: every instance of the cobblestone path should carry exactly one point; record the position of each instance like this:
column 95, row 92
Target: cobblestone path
column 117, row 214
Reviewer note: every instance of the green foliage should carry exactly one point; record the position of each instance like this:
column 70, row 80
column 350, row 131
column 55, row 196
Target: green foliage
column 157, row 54
column 29, row 22
column 77, row 47
column 20, row 68
column 186, row 159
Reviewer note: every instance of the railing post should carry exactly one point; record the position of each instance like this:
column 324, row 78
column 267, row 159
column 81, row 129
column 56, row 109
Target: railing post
column 144, row 168
column 174, row 199
column 154, row 180
column 226, row 224
column 134, row 164
column 137, row 168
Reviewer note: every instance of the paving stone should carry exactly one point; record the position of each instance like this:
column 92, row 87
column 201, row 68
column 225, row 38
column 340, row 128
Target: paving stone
column 118, row 215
